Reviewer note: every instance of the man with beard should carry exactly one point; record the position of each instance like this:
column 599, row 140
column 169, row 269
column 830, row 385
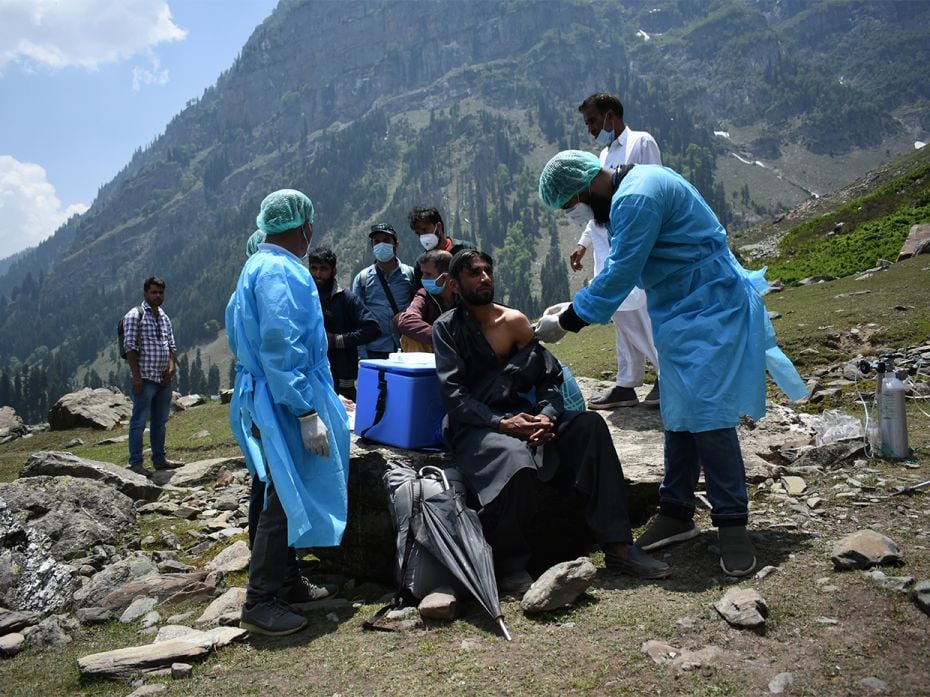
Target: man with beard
column 503, row 440
column 603, row 117
column 347, row 321
column 713, row 335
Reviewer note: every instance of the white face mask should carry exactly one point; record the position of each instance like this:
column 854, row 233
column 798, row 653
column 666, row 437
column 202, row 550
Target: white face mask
column 580, row 214
column 307, row 251
column 429, row 241
column 605, row 137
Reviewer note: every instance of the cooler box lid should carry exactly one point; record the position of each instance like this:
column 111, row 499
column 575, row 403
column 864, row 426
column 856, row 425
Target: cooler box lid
column 410, row 364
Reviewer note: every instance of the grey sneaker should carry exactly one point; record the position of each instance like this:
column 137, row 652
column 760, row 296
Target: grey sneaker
column 303, row 591
column 652, row 399
column 271, row 618
column 637, row 563
column 665, row 530
column 737, row 555
column 616, row 397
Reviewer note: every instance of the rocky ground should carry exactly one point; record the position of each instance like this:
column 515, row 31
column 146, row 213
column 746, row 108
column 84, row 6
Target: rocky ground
column 111, row 579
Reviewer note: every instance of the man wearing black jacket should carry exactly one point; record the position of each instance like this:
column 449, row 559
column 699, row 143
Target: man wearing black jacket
column 488, row 361
column 348, row 323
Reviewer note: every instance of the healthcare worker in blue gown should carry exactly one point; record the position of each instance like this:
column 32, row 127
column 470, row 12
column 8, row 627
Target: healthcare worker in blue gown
column 711, row 329
column 284, row 407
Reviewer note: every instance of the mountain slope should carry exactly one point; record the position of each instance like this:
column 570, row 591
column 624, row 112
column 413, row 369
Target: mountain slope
column 373, row 108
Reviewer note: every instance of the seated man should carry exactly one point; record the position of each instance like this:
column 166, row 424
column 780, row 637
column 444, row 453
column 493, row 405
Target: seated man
column 347, row 322
column 486, row 357
column 415, row 324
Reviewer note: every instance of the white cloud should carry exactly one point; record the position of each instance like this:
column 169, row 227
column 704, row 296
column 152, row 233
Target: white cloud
column 83, row 33
column 30, row 210
column 153, row 75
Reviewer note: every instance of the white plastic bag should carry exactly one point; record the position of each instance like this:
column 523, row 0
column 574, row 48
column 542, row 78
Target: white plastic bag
column 833, row 426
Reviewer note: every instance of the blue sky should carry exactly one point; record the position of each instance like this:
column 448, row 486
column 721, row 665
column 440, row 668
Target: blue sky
column 83, row 83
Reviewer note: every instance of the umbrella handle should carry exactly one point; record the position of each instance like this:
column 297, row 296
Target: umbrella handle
column 435, row 470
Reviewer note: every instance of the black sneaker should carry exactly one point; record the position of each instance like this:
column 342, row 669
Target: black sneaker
column 140, row 469
column 737, row 555
column 637, row 563
column 665, row 530
column 271, row 618
column 167, row 465
column 652, row 399
column 303, row 591
column 617, row 397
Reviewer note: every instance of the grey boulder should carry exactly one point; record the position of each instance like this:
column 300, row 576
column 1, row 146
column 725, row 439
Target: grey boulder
column 55, row 464
column 101, row 408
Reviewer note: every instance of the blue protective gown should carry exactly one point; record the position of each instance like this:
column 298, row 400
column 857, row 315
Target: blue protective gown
column 274, row 326
column 711, row 329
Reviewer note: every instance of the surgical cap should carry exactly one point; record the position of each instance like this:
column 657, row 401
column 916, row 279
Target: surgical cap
column 565, row 175
column 255, row 239
column 284, row 210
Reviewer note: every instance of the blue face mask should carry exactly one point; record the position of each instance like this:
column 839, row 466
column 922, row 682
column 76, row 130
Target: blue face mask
column 431, row 287
column 605, row 138
column 384, row 251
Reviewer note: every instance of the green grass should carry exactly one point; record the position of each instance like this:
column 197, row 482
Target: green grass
column 874, row 227
column 212, row 417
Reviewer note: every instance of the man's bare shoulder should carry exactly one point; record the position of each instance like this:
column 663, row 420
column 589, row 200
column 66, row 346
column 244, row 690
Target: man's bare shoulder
column 517, row 324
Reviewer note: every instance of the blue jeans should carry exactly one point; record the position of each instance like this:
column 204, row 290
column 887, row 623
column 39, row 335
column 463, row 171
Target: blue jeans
column 718, row 453
column 155, row 399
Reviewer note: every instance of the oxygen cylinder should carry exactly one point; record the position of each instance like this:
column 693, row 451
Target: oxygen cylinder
column 875, row 432
column 893, row 417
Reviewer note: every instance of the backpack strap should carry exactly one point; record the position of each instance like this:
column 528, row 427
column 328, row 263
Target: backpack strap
column 397, row 601
column 387, row 290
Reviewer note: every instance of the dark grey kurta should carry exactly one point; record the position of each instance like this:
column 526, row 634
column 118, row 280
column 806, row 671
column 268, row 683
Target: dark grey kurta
column 478, row 391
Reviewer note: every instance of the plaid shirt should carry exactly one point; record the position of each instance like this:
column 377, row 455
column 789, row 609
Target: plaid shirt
column 154, row 346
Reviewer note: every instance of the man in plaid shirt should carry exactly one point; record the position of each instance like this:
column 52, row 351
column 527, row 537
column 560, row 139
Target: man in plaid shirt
column 150, row 350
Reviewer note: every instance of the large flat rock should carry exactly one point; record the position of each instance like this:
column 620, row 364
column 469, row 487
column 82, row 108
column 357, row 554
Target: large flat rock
column 54, row 463
column 367, row 550
column 198, row 473
column 122, row 663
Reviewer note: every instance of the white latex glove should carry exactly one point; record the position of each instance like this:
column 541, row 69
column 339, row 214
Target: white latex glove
column 313, row 432
column 556, row 309
column 548, row 328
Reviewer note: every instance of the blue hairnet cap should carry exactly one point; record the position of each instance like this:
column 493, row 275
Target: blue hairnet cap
column 255, row 239
column 565, row 175
column 284, row 210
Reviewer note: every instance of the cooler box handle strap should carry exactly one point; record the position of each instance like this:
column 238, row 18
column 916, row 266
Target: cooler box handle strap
column 380, row 403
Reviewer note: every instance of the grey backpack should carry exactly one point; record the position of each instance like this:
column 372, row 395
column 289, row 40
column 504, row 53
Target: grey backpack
column 418, row 573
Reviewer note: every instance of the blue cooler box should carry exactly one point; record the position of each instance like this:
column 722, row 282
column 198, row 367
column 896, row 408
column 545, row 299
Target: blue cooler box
column 413, row 410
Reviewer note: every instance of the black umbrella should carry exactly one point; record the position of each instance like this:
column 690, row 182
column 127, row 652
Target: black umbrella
column 452, row 533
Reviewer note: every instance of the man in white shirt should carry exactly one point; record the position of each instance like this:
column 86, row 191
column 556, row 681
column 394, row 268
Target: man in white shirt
column 603, row 116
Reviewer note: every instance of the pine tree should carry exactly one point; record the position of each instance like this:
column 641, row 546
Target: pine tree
column 232, row 372
column 213, row 380
column 198, row 379
column 184, row 376
column 553, row 278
